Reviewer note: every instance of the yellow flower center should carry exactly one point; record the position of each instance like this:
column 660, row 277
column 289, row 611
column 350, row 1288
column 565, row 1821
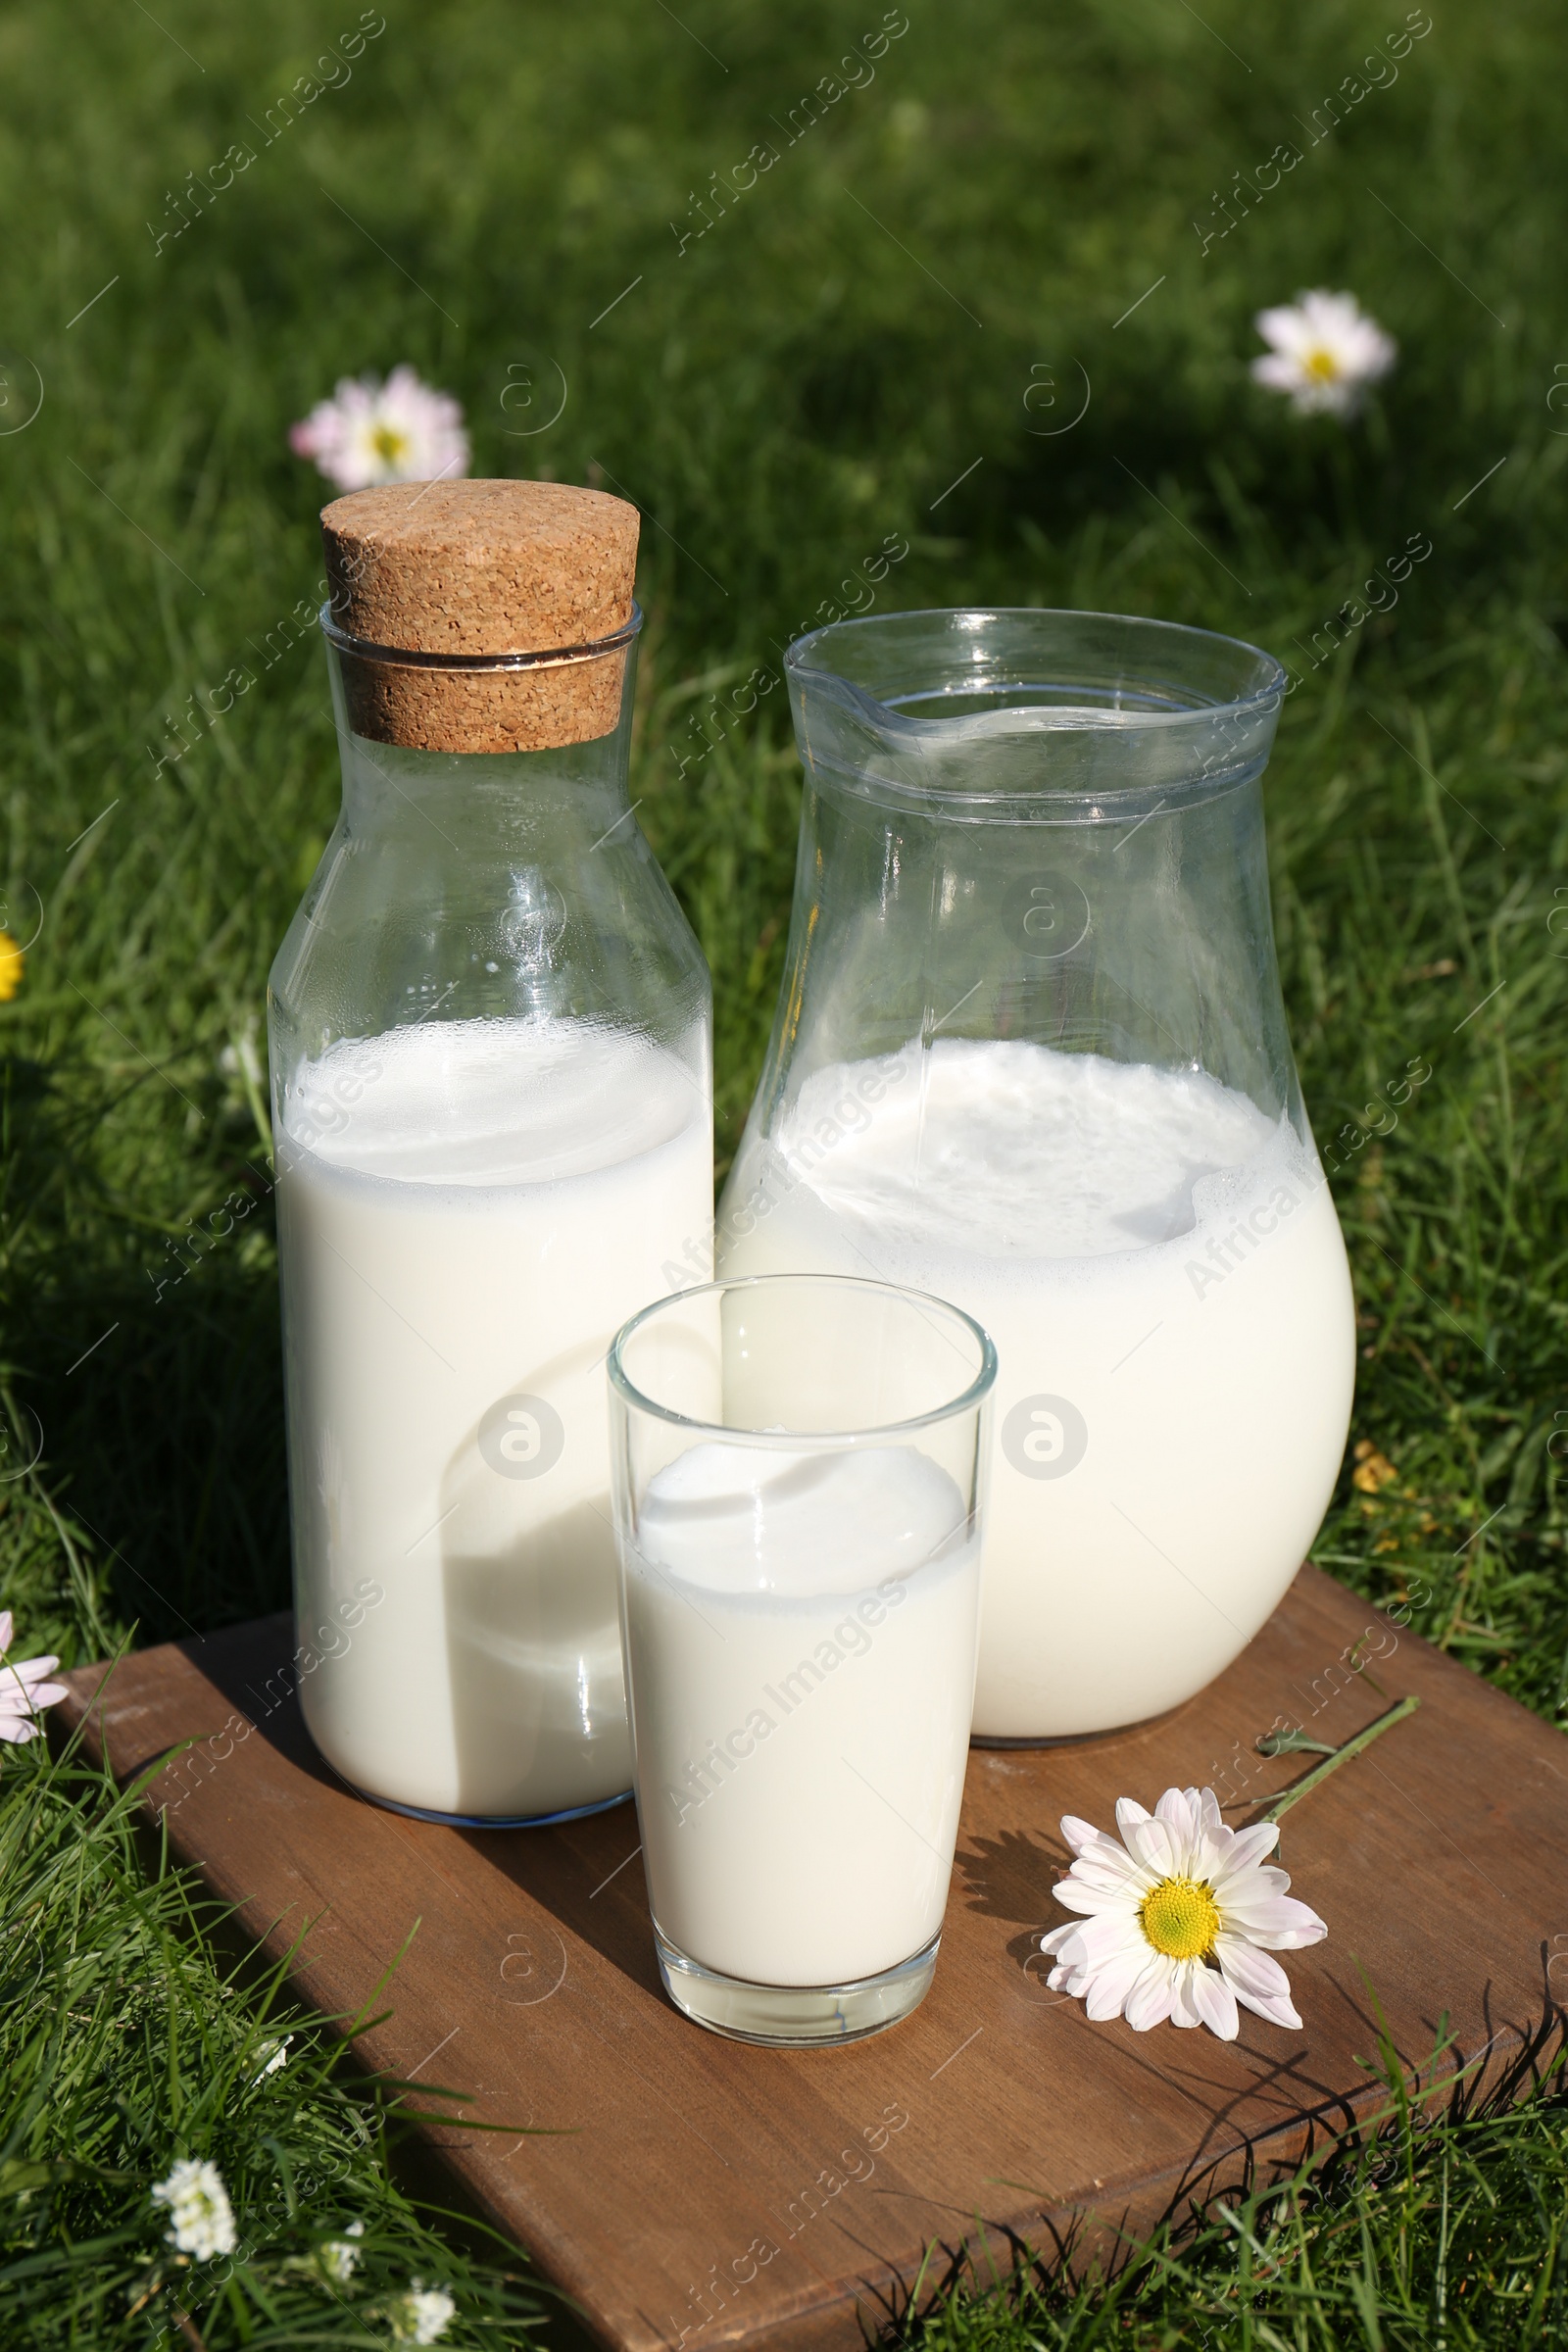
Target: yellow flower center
column 390, row 443
column 1180, row 1919
column 12, row 964
column 1323, row 365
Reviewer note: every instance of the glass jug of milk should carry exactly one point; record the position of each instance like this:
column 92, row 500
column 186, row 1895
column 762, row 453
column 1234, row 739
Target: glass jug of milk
column 1031, row 1056
column 490, row 1042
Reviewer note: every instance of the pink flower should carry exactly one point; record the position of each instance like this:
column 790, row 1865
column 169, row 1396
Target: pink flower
column 369, row 433
column 1324, row 353
column 24, row 1689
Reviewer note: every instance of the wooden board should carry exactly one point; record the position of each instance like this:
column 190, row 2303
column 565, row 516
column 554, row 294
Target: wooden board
column 701, row 2188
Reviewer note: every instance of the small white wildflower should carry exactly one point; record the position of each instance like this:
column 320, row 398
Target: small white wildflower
column 240, row 1059
column 1325, row 351
column 199, row 2208
column 25, row 1689
column 274, row 2054
column 339, row 2257
column 422, row 2316
column 368, row 433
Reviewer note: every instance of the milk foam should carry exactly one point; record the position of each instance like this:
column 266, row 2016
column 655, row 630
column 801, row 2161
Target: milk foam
column 796, row 1525
column 1144, row 1245
column 800, row 1652
column 1012, row 1151
column 467, row 1212
column 497, row 1102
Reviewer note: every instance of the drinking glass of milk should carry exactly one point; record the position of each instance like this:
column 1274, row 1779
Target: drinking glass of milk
column 490, row 1064
column 1031, row 1055
column 800, row 1465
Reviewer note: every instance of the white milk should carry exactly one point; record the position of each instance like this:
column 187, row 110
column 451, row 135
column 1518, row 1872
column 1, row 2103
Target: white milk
column 799, row 1652
column 1144, row 1246
column 467, row 1214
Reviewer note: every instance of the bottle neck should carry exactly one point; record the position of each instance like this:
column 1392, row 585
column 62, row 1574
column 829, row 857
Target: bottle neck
column 561, row 797
column 470, row 802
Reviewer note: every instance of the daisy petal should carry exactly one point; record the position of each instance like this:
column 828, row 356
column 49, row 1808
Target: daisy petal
column 1155, row 1846
column 1107, row 1859
column 1247, row 1969
column 1120, row 1875
column 1283, row 327
column 1264, row 1998
column 1107, row 1989
column 1074, row 1895
column 1278, row 1921
column 1148, row 2004
column 1215, row 2003
column 1275, row 2013
column 1176, row 1810
column 1096, row 1939
column 1244, row 1849
column 23, row 1690
column 29, row 1671
column 1184, row 2009
column 1262, row 1880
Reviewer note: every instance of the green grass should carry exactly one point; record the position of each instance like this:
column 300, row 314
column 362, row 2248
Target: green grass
column 122, row 2041
column 780, row 396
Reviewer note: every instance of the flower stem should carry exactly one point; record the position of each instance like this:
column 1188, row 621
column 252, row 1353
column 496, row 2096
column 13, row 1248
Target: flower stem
column 1341, row 1756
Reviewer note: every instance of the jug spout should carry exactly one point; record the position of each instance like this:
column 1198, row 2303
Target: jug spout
column 1011, row 706
column 1031, row 1056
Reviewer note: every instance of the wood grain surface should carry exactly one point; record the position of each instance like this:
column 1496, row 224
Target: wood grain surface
column 682, row 2187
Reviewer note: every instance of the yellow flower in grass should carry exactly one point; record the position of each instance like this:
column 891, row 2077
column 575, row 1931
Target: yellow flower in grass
column 1373, row 1468
column 13, row 965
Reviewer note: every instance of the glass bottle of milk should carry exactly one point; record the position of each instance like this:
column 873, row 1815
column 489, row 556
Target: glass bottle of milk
column 1031, row 1056
column 490, row 1031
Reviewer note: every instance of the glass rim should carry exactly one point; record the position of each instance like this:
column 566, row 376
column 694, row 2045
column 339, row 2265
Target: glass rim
column 969, row 1399
column 1266, row 694
column 402, row 657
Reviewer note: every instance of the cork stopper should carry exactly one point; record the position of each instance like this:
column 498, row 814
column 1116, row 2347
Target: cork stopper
column 494, row 577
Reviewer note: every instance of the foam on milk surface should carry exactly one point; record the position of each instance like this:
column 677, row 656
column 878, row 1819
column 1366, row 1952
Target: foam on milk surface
column 468, row 1212
column 799, row 1652
column 1012, row 1151
column 1145, row 1244
column 796, row 1525
column 489, row 1101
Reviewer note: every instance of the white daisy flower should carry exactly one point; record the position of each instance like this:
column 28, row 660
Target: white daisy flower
column 24, row 1689
column 1325, row 351
column 422, row 2316
column 339, row 2257
column 199, row 2208
column 368, row 433
column 1182, row 1918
